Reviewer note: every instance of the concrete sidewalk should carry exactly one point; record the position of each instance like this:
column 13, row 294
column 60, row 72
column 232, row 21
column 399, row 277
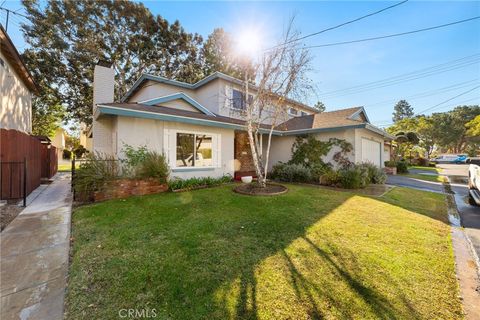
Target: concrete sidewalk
column 34, row 255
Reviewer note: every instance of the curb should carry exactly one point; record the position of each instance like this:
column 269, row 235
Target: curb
column 452, row 211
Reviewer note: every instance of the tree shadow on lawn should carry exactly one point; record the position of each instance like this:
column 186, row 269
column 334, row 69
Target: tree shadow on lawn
column 192, row 263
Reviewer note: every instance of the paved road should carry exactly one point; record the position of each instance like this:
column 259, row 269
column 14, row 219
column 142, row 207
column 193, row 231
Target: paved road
column 34, row 256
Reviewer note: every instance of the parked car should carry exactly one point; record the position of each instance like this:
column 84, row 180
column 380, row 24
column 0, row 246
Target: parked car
column 450, row 158
column 474, row 182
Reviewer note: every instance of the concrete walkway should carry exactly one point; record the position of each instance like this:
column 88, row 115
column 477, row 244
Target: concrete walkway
column 34, row 256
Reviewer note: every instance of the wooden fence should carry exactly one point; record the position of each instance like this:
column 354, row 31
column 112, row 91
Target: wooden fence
column 20, row 152
column 49, row 161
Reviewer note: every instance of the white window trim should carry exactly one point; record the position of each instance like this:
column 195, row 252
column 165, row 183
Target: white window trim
column 170, row 139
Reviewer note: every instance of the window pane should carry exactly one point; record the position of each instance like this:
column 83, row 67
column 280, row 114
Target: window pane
column 293, row 111
column 185, row 150
column 237, row 100
column 204, row 151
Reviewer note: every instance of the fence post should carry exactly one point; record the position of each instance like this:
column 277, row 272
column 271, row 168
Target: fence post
column 73, row 175
column 24, row 181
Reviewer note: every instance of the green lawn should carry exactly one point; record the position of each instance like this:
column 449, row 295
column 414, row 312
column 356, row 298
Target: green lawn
column 310, row 253
column 425, row 177
column 433, row 169
column 64, row 167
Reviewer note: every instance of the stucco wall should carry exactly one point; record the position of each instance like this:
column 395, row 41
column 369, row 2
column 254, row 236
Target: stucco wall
column 281, row 149
column 216, row 96
column 152, row 89
column 15, row 101
column 160, row 136
column 282, row 146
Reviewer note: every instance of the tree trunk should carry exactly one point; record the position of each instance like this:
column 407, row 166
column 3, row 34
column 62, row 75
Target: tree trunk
column 260, row 178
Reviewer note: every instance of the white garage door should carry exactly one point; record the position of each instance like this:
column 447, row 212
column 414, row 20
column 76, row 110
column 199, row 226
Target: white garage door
column 371, row 151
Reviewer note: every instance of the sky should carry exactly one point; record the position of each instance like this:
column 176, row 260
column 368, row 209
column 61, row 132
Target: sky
column 439, row 69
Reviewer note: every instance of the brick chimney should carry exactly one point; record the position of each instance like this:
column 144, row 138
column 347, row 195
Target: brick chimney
column 103, row 92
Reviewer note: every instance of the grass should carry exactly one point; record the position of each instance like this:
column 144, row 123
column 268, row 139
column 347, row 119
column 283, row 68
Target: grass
column 310, row 253
column 432, row 169
column 65, row 167
column 432, row 178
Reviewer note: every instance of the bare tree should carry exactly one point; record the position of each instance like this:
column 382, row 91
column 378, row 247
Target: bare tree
column 279, row 75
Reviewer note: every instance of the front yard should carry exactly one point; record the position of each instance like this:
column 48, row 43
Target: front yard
column 310, row 253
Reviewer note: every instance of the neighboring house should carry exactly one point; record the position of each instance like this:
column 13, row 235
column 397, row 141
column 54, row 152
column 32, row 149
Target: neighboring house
column 58, row 141
column 205, row 119
column 86, row 137
column 17, row 87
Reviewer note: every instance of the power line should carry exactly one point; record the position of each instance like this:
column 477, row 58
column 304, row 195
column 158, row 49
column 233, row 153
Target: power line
column 339, row 25
column 427, row 93
column 409, row 76
column 385, row 123
column 391, row 35
column 450, row 99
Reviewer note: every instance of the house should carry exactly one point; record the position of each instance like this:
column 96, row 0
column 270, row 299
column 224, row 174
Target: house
column 17, row 88
column 206, row 119
column 58, row 141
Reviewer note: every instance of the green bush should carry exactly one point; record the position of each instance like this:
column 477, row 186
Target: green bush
column 375, row 174
column 194, row 183
column 402, row 167
column 291, row 173
column 354, row 177
column 133, row 158
column 66, row 154
column 390, row 164
column 330, row 178
column 153, row 165
column 94, row 173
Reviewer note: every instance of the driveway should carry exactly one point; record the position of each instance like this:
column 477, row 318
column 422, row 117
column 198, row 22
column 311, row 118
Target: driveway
column 403, row 181
column 34, row 256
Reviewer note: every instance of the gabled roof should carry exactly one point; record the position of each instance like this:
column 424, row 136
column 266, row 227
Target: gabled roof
column 193, row 86
column 184, row 116
column 337, row 118
column 176, row 96
column 14, row 59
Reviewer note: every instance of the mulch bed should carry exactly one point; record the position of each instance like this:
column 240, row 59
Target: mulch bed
column 7, row 214
column 252, row 189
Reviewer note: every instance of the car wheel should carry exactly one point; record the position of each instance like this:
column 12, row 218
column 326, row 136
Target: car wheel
column 471, row 200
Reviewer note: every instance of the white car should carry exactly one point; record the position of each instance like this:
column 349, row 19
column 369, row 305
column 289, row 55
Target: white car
column 474, row 182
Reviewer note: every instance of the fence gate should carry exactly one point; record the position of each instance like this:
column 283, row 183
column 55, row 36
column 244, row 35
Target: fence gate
column 13, row 180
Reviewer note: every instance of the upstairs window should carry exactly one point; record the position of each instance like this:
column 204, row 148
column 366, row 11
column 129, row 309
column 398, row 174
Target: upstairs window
column 304, row 114
column 293, row 111
column 238, row 100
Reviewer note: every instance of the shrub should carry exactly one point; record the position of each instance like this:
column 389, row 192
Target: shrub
column 92, row 174
column 80, row 151
column 154, row 165
column 375, row 174
column 133, row 157
column 291, row 173
column 423, row 162
column 66, row 154
column 391, row 164
column 353, row 177
column 195, row 183
column 330, row 178
column 402, row 167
